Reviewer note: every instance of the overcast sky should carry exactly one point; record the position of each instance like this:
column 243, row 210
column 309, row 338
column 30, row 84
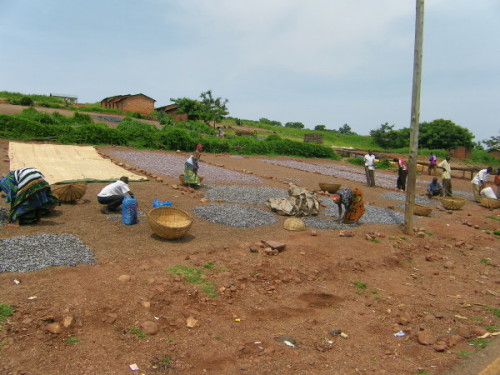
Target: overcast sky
column 319, row 62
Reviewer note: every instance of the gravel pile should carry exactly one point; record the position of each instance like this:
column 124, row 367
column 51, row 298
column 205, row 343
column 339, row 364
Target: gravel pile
column 401, row 197
column 318, row 222
column 340, row 171
column 255, row 196
column 463, row 194
column 30, row 253
column 173, row 165
column 234, row 216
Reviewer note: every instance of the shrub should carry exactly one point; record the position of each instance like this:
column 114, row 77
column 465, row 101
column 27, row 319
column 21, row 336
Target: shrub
column 26, row 100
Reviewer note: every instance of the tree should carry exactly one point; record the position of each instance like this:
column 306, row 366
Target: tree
column 493, row 142
column 296, row 125
column 192, row 108
column 345, row 129
column 385, row 136
column 444, row 134
column 207, row 110
column 320, row 127
column 214, row 109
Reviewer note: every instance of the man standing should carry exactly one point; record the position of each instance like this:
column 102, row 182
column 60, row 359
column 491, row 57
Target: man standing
column 432, row 164
column 402, row 174
column 112, row 195
column 446, row 176
column 370, row 169
column 479, row 181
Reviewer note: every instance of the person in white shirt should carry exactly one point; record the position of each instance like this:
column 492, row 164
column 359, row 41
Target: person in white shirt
column 370, row 169
column 112, row 195
column 479, row 181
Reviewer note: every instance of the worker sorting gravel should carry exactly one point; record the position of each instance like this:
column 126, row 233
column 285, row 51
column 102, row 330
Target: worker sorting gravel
column 191, row 167
column 352, row 199
column 29, row 195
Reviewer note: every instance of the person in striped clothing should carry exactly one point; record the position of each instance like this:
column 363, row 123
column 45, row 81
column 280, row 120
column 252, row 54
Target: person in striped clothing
column 29, row 195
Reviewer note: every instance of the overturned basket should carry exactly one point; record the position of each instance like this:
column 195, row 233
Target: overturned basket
column 181, row 179
column 452, row 203
column 169, row 222
column 421, row 210
column 489, row 202
column 330, row 188
column 294, row 224
column 69, row 192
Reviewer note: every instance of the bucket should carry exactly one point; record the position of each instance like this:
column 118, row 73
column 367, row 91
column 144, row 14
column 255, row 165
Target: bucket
column 129, row 210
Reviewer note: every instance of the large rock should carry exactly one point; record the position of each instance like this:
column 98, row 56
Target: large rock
column 149, row 327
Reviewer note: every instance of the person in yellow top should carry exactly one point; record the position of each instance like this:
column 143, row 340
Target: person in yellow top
column 446, row 176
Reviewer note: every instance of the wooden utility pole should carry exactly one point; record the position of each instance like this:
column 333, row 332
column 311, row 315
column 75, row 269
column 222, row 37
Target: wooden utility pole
column 415, row 117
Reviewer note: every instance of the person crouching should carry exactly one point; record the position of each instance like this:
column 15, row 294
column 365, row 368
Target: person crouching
column 112, row 195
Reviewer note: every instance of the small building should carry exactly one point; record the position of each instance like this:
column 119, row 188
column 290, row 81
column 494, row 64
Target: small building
column 68, row 99
column 137, row 103
column 460, row 152
column 495, row 152
column 173, row 111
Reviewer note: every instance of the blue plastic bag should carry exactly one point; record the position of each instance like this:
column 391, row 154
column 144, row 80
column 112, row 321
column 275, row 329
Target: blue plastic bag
column 157, row 203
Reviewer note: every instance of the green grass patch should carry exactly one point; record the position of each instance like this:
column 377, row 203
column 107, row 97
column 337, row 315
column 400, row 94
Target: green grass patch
column 73, row 340
column 485, row 261
column 195, row 276
column 476, row 319
column 479, row 343
column 464, row 353
column 359, row 285
column 5, row 312
column 494, row 328
column 496, row 218
column 494, row 310
column 137, row 332
column 496, row 232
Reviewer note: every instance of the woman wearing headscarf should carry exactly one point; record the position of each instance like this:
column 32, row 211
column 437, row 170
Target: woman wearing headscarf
column 191, row 167
column 29, row 195
column 352, row 200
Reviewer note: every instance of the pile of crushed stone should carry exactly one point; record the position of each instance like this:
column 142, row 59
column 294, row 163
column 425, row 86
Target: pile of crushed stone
column 31, row 253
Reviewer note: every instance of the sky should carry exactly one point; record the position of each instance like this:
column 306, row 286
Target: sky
column 318, row 62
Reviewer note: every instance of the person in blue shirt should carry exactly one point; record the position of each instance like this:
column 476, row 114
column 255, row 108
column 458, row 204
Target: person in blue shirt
column 434, row 188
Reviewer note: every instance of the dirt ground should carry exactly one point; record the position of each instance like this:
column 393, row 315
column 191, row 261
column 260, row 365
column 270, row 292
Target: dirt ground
column 327, row 304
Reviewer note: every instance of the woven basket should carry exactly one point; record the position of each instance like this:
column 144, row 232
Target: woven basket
column 421, row 210
column 69, row 192
column 169, row 222
column 331, row 188
column 181, row 179
column 294, row 224
column 489, row 202
column 452, row 203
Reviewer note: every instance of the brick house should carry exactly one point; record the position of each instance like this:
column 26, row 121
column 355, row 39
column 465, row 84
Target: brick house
column 172, row 110
column 138, row 103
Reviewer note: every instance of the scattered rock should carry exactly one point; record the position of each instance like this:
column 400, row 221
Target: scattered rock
column 454, row 340
column 124, row 278
column 191, row 322
column 313, row 233
column 440, row 346
column 426, row 337
column 53, row 328
column 449, row 264
column 275, row 245
column 149, row 327
column 68, row 320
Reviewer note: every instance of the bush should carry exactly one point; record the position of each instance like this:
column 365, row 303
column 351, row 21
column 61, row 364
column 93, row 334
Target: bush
column 26, row 100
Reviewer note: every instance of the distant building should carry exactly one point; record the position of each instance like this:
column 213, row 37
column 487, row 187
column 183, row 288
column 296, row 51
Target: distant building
column 460, row 152
column 68, row 99
column 138, row 103
column 495, row 152
column 172, row 110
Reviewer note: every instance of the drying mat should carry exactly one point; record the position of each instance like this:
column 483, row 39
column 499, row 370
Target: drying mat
column 63, row 163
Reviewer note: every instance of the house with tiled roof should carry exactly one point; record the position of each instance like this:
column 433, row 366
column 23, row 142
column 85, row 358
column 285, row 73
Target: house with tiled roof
column 137, row 103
